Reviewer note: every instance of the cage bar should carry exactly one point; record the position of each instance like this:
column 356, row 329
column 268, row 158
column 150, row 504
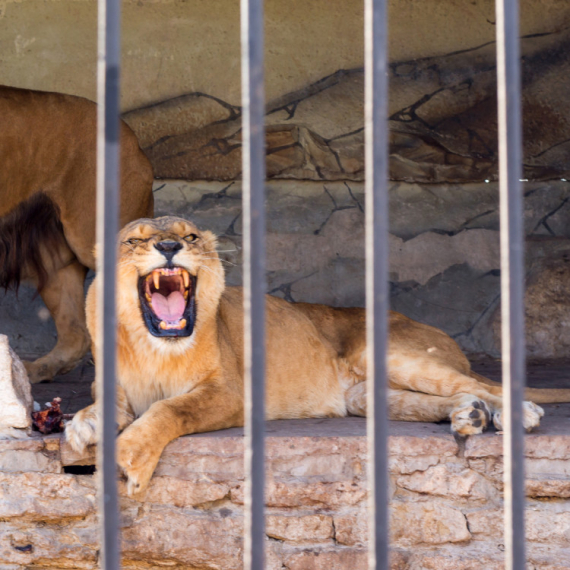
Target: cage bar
column 377, row 291
column 253, row 106
column 512, row 276
column 108, row 71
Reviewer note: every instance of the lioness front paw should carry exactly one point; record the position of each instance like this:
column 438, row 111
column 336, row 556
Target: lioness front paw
column 81, row 431
column 531, row 416
column 137, row 457
column 471, row 417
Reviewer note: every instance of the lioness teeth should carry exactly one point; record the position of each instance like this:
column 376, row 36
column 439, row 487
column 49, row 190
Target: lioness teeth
column 179, row 325
column 186, row 278
column 156, row 279
column 148, row 298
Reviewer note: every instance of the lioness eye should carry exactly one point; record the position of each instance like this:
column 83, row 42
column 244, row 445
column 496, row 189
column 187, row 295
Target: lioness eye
column 133, row 241
column 191, row 238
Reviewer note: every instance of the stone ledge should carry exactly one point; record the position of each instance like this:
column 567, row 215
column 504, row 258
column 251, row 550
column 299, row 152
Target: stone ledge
column 446, row 500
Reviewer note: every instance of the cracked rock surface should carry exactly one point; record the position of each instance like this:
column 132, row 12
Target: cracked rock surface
column 443, row 126
column 444, row 255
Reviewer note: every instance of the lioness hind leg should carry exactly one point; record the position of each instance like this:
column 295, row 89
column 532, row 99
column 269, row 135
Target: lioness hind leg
column 64, row 297
column 468, row 414
column 432, row 376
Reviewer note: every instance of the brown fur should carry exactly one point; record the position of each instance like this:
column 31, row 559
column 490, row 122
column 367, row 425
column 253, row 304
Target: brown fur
column 315, row 361
column 47, row 207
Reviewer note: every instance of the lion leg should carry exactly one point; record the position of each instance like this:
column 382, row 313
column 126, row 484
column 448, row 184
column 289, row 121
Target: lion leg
column 468, row 414
column 210, row 406
column 431, row 376
column 82, row 430
column 64, row 297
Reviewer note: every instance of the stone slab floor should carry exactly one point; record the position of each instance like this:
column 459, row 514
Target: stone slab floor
column 75, row 390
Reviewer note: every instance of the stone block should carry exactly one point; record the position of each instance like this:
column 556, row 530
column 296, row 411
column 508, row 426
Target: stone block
column 351, row 529
column 73, row 546
column 449, row 480
column 428, row 522
column 325, row 495
column 185, row 537
column 45, row 497
column 182, row 493
column 299, row 528
column 337, row 559
column 15, row 393
column 550, row 524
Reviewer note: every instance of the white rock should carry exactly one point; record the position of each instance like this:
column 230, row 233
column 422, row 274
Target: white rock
column 15, row 393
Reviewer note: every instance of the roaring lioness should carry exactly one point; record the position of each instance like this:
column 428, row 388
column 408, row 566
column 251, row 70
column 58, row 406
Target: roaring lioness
column 180, row 356
column 47, row 207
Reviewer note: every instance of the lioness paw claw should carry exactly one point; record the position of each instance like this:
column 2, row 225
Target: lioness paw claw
column 137, row 460
column 81, row 431
column 471, row 418
column 531, row 416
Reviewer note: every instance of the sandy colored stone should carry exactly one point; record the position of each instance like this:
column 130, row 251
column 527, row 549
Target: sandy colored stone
column 548, row 487
column 426, row 523
column 478, row 557
column 15, row 393
column 73, row 546
column 337, row 559
column 331, row 495
column 536, row 446
column 306, row 528
column 45, row 497
column 24, row 461
column 449, row 480
column 549, row 524
column 181, row 493
column 351, row 529
column 185, row 537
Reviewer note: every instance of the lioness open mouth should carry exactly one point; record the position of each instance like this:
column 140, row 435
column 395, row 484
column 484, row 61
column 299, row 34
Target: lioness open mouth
column 168, row 303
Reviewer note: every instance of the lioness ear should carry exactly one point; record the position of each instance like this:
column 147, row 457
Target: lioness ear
column 210, row 240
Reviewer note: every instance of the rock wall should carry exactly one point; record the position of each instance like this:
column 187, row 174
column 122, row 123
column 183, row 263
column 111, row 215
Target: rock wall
column 444, row 255
column 445, row 502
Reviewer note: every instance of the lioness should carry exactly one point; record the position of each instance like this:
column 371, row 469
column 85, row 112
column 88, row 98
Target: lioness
column 47, row 207
column 180, row 356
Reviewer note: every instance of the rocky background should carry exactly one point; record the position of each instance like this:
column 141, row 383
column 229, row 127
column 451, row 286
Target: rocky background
column 181, row 97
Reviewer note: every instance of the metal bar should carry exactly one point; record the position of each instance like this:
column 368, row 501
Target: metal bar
column 108, row 66
column 512, row 277
column 253, row 278
column 377, row 292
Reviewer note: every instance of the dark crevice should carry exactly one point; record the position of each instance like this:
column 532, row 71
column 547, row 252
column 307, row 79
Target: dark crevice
column 79, row 469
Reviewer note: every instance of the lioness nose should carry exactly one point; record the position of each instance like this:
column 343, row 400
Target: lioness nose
column 168, row 248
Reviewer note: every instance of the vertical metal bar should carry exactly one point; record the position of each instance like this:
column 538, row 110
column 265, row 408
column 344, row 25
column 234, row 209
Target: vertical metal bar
column 109, row 53
column 512, row 276
column 253, row 277
column 376, row 156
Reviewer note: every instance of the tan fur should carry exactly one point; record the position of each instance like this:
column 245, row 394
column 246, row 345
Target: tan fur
column 48, row 144
column 315, row 361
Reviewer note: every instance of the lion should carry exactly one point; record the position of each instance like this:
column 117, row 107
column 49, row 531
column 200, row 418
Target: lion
column 47, row 208
column 180, row 356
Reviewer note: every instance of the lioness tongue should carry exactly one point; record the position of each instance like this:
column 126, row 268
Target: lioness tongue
column 169, row 308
